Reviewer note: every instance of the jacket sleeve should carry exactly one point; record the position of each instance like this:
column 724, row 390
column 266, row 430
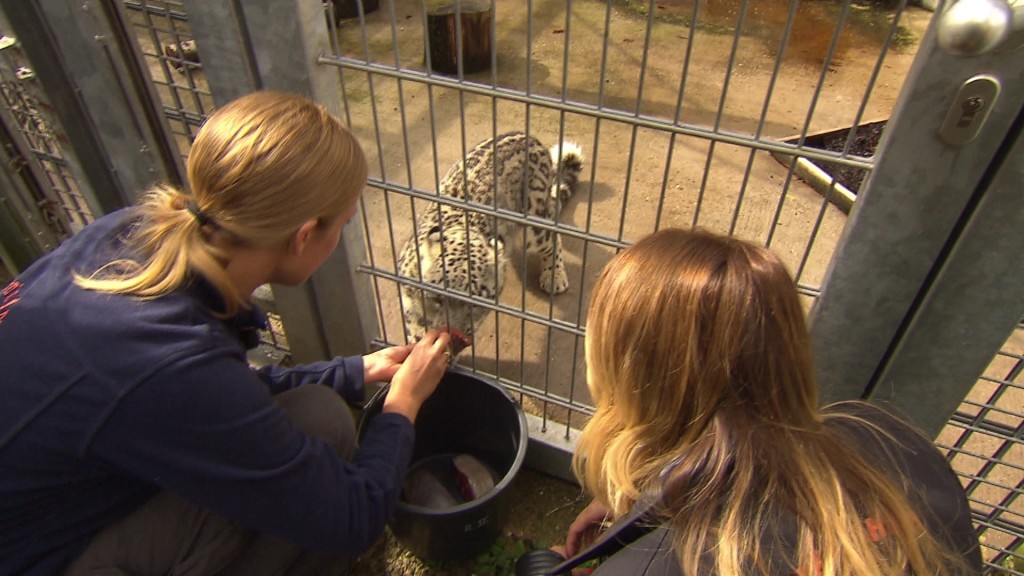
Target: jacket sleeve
column 345, row 375
column 206, row 427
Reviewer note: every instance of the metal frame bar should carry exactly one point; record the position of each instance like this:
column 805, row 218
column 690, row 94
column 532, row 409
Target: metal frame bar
column 972, row 303
column 904, row 216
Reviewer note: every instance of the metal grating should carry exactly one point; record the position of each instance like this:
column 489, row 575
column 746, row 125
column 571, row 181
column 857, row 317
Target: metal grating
column 169, row 52
column 984, row 441
column 32, row 142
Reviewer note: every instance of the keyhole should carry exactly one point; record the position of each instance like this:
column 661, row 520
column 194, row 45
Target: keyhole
column 969, row 109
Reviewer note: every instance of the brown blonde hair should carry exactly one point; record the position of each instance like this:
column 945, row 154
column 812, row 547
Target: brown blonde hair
column 699, row 365
column 258, row 169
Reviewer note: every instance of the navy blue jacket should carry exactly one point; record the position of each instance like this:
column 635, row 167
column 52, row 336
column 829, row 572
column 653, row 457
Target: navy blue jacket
column 106, row 400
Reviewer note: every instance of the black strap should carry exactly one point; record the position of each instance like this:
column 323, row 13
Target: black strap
column 639, row 522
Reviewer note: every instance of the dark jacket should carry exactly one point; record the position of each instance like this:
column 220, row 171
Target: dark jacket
column 639, row 544
column 107, row 399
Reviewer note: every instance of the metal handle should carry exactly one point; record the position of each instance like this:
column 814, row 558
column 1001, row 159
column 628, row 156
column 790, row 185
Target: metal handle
column 976, row 27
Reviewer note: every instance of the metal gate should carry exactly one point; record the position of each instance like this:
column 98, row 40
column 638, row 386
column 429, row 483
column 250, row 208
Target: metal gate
column 766, row 120
column 42, row 204
column 688, row 115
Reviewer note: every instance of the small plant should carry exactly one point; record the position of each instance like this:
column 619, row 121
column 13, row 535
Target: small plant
column 1011, row 565
column 500, row 558
column 903, row 38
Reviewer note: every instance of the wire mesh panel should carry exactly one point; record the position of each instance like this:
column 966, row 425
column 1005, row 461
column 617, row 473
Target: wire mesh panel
column 172, row 57
column 687, row 114
column 160, row 28
column 985, row 444
column 32, row 141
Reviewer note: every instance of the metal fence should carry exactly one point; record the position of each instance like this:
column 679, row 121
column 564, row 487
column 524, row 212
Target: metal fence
column 688, row 115
column 43, row 198
column 984, row 441
column 756, row 119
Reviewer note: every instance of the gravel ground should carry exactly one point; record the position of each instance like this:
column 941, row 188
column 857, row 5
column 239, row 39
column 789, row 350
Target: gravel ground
column 542, row 509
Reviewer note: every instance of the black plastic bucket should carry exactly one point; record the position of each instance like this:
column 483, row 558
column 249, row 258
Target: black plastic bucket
column 465, row 415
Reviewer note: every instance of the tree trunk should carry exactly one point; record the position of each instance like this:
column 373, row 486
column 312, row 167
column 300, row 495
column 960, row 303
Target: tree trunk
column 443, row 37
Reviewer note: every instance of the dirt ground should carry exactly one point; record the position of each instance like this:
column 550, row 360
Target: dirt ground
column 543, row 509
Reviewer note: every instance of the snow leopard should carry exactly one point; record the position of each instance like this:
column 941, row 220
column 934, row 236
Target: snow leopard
column 458, row 249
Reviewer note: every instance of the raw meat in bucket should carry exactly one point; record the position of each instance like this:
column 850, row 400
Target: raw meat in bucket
column 474, row 478
column 448, row 482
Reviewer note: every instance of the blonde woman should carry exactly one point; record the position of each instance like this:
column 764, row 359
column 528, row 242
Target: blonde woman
column 134, row 436
column 708, row 447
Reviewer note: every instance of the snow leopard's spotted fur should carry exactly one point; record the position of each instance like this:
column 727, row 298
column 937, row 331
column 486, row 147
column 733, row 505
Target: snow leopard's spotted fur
column 462, row 250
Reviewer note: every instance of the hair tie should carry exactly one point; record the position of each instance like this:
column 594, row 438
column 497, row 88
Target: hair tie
column 200, row 216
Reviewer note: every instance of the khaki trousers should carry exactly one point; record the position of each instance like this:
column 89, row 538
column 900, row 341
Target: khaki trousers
column 169, row 536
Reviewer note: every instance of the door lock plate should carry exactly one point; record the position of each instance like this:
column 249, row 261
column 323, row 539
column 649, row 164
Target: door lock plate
column 970, row 109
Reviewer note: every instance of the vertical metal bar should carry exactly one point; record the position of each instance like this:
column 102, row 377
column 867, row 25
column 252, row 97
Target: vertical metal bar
column 589, row 219
column 526, row 129
column 949, row 337
column 408, row 162
column 897, row 230
column 790, row 18
column 636, row 112
column 561, row 138
column 678, row 112
column 721, row 106
column 494, row 135
column 460, row 64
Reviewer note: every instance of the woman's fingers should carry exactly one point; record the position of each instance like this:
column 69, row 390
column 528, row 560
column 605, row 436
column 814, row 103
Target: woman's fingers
column 419, row 375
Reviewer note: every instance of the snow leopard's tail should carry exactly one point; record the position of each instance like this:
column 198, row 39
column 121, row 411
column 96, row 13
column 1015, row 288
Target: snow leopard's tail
column 568, row 158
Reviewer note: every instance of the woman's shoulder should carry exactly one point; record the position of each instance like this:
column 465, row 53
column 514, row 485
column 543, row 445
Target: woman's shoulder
column 860, row 417
column 891, row 444
column 653, row 552
column 884, row 438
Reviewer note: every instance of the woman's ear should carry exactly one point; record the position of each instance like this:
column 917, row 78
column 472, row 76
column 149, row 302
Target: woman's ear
column 303, row 236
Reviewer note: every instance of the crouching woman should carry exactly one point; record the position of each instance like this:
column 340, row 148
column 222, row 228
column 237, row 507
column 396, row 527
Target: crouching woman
column 134, row 436
column 708, row 452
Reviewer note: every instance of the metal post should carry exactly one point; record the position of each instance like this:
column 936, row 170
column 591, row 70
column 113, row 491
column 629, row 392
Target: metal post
column 904, row 217
column 332, row 314
column 972, row 306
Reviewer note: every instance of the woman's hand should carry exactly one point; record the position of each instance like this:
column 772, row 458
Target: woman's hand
column 416, row 379
column 586, row 527
column 382, row 365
